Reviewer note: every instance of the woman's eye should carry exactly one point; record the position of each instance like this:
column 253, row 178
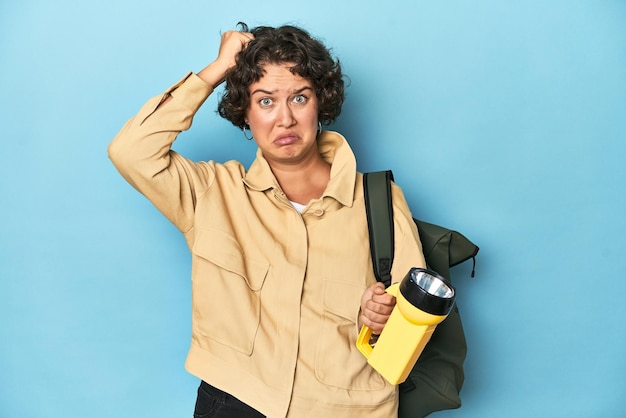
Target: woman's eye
column 300, row 99
column 265, row 101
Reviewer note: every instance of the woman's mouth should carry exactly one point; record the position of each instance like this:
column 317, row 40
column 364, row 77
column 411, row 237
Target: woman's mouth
column 286, row 139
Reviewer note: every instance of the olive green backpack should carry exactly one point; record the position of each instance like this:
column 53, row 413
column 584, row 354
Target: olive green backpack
column 436, row 380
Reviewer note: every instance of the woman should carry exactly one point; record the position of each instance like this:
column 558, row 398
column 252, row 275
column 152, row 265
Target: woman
column 281, row 271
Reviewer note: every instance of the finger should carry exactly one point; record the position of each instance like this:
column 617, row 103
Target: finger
column 379, row 314
column 376, row 327
column 245, row 38
column 376, row 324
column 378, row 308
column 385, row 299
column 377, row 318
column 378, row 288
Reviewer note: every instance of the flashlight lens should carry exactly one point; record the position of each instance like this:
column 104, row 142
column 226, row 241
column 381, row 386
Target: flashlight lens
column 433, row 285
column 428, row 291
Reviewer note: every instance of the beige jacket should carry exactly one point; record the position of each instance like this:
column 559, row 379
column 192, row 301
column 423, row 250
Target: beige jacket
column 276, row 293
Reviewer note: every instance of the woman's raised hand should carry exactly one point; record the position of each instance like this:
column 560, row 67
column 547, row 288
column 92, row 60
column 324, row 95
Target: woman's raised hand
column 231, row 44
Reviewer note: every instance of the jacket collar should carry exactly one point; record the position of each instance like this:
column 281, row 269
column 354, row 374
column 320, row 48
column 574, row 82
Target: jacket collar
column 334, row 149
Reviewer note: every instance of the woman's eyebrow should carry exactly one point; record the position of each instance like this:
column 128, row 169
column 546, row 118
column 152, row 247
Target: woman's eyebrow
column 270, row 92
column 262, row 91
column 300, row 90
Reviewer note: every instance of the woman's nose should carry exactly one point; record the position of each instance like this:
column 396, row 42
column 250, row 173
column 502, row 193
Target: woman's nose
column 286, row 116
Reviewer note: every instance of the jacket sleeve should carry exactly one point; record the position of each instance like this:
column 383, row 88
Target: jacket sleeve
column 142, row 153
column 407, row 245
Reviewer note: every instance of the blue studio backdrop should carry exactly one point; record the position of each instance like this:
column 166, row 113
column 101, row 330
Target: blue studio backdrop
column 504, row 120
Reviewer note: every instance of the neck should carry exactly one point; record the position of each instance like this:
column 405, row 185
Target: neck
column 304, row 181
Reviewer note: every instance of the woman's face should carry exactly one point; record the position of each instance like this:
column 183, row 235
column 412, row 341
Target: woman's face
column 283, row 116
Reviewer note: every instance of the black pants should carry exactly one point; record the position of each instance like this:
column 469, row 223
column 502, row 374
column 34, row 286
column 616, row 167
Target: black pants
column 213, row 403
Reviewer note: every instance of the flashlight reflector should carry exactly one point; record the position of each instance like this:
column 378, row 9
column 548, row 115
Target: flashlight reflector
column 432, row 285
column 427, row 290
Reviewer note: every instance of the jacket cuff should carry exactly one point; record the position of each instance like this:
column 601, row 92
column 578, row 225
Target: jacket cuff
column 191, row 92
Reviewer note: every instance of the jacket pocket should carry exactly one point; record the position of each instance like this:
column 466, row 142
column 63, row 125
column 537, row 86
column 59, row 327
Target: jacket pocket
column 226, row 291
column 338, row 362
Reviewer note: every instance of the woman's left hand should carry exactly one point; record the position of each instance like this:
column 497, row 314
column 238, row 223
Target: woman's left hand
column 376, row 306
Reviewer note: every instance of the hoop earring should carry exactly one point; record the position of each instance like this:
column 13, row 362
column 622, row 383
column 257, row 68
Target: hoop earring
column 319, row 127
column 244, row 128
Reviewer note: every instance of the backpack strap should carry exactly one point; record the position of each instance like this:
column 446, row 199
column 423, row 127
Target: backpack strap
column 379, row 210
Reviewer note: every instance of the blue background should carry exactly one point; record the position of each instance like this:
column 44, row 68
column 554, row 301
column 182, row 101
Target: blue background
column 504, row 120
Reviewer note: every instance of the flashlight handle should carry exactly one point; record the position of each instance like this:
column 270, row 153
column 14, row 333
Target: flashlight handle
column 365, row 335
column 363, row 341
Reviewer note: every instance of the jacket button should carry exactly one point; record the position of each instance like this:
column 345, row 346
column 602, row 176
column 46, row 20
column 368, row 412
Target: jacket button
column 318, row 212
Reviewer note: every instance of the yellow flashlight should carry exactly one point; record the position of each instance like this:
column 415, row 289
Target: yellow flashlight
column 423, row 300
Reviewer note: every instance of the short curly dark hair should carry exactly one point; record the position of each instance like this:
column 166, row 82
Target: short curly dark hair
column 284, row 44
